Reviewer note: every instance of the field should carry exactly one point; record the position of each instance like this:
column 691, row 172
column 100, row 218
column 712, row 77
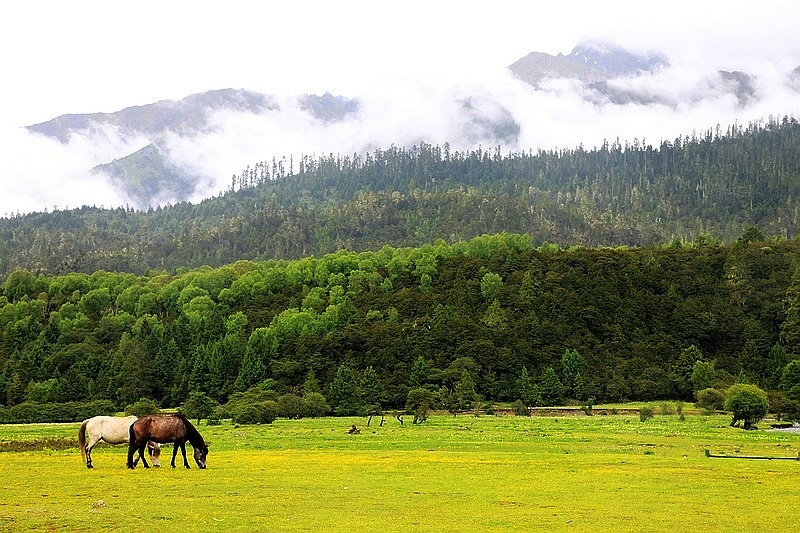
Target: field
column 464, row 473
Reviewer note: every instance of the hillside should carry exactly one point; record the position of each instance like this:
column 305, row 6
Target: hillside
column 493, row 316
column 716, row 184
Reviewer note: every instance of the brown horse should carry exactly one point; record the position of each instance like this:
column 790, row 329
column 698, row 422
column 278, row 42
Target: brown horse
column 166, row 428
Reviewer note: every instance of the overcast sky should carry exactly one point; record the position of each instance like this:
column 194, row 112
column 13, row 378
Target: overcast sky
column 99, row 56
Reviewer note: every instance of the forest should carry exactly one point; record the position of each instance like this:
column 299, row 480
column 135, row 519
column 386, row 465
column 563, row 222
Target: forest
column 492, row 319
column 719, row 182
column 624, row 272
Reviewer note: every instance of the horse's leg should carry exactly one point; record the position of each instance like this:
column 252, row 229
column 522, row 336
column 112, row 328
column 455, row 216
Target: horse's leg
column 141, row 455
column 131, row 449
column 183, row 451
column 89, row 446
column 174, row 453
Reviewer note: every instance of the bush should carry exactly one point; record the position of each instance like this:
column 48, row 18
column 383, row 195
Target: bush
column 290, row 406
column 32, row 412
column 256, row 413
column 142, row 407
column 520, row 409
column 419, row 402
column 645, row 413
column 315, row 405
column 199, row 406
column 748, row 403
column 94, row 408
column 239, row 400
column 710, row 400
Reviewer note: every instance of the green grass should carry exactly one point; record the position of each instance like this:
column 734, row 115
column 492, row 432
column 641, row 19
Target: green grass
column 600, row 473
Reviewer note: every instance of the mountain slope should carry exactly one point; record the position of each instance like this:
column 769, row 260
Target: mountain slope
column 712, row 186
column 155, row 119
column 186, row 150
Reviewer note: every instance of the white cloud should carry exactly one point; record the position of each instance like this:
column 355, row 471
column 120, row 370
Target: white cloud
column 409, row 63
column 41, row 173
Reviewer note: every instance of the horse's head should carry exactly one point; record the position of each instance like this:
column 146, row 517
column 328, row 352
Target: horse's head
column 200, row 455
column 155, row 452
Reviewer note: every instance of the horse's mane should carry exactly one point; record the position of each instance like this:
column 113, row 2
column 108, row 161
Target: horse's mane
column 191, row 432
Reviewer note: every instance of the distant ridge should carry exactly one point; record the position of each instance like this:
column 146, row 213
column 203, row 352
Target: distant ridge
column 589, row 62
column 154, row 119
column 597, row 65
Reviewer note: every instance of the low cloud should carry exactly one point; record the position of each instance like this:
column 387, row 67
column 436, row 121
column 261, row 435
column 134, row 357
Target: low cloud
column 39, row 173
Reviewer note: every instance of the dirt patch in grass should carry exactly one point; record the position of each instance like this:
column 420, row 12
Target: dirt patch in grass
column 37, row 445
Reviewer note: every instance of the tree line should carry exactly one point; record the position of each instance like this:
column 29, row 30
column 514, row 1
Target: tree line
column 495, row 318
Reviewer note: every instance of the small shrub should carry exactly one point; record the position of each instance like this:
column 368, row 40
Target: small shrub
column 94, row 408
column 198, row 406
column 587, row 408
column 256, row 413
column 315, row 405
column 645, row 413
column 142, row 407
column 290, row 406
column 665, row 408
column 710, row 400
column 519, row 408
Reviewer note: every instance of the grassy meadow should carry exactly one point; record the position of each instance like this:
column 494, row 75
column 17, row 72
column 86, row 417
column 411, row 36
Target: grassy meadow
column 462, row 473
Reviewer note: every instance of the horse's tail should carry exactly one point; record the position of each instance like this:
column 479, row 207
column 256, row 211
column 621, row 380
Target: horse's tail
column 132, row 435
column 82, row 439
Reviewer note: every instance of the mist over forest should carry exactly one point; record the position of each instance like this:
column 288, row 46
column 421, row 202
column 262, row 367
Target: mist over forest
column 137, row 157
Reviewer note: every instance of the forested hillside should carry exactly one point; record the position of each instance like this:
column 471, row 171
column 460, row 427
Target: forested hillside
column 717, row 183
column 494, row 317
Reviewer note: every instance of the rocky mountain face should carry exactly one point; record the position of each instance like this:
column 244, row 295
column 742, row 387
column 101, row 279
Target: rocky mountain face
column 610, row 74
column 588, row 62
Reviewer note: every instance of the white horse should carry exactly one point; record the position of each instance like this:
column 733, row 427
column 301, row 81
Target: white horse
column 113, row 430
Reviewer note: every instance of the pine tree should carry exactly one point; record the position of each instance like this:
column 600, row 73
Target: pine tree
column 370, row 388
column 419, row 373
column 527, row 390
column 550, row 388
column 571, row 365
column 344, row 394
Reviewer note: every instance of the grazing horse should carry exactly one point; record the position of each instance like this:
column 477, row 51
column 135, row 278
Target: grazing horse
column 113, row 430
column 166, row 428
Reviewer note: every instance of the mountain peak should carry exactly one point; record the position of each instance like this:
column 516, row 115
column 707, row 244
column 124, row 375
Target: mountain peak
column 589, row 62
column 616, row 59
